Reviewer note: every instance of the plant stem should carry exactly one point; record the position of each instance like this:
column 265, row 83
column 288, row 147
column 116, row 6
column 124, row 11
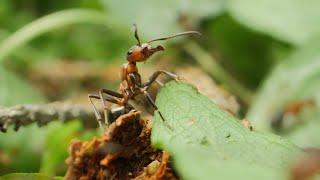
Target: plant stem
column 214, row 69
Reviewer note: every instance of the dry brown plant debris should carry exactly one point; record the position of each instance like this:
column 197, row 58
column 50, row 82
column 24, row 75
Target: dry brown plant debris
column 123, row 152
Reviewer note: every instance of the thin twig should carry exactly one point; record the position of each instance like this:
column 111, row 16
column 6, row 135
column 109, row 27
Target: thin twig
column 214, row 69
column 23, row 115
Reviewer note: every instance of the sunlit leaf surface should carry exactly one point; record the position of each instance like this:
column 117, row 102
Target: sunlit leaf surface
column 197, row 130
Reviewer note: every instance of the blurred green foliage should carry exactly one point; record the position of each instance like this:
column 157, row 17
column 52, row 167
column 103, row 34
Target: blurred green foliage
column 287, row 82
column 293, row 21
column 24, row 149
column 29, row 176
column 44, row 149
column 159, row 18
column 57, row 141
column 22, row 91
column 269, row 47
column 249, row 55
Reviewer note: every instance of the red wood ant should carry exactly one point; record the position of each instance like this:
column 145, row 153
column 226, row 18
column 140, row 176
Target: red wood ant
column 131, row 84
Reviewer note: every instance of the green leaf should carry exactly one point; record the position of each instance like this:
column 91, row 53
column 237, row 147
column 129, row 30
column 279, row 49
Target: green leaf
column 46, row 148
column 28, row 176
column 56, row 145
column 158, row 18
column 197, row 163
column 15, row 91
column 293, row 21
column 23, row 149
column 289, row 81
column 197, row 131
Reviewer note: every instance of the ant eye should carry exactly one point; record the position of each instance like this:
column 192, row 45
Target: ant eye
column 129, row 52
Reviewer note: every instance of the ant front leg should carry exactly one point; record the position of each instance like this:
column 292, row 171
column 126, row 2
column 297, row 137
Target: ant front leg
column 110, row 97
column 156, row 74
column 150, row 100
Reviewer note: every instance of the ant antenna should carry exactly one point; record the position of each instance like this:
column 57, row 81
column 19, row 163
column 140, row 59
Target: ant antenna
column 176, row 35
column 136, row 34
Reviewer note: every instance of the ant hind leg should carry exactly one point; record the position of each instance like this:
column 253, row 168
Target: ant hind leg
column 110, row 97
column 112, row 93
column 95, row 110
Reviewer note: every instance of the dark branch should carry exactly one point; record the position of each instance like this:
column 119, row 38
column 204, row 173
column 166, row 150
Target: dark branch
column 23, row 115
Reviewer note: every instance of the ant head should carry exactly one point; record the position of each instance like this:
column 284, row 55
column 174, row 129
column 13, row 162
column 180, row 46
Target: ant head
column 141, row 52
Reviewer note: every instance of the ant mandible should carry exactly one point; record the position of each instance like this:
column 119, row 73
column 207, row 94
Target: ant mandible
column 131, row 84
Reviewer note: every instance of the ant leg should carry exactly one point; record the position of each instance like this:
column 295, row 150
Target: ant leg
column 147, row 95
column 159, row 82
column 156, row 74
column 106, row 110
column 95, row 110
column 110, row 99
column 112, row 93
column 150, row 100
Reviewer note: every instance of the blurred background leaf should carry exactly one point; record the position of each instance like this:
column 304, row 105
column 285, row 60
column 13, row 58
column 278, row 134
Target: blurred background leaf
column 57, row 141
column 15, row 91
column 28, row 176
column 51, row 22
column 294, row 79
column 158, row 18
column 292, row 21
column 22, row 149
column 285, row 82
column 246, row 54
column 34, row 149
